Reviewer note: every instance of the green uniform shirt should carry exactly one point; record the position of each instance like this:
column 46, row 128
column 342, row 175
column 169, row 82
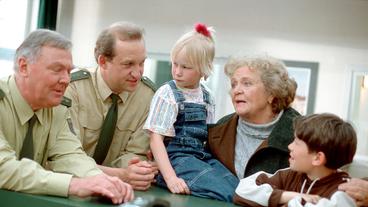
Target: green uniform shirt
column 55, row 147
column 90, row 104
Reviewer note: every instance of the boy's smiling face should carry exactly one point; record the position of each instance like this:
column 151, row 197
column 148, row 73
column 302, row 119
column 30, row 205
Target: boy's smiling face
column 300, row 158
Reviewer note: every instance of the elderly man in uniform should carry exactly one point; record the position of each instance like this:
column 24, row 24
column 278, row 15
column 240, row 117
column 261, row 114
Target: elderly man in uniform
column 38, row 152
column 111, row 103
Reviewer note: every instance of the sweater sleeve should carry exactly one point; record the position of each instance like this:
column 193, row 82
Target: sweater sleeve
column 260, row 189
column 253, row 190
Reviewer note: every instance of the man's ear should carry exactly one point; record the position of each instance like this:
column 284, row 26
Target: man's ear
column 101, row 60
column 23, row 66
column 319, row 159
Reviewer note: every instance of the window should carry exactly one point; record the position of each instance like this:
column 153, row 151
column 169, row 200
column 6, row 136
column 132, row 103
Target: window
column 17, row 18
column 305, row 75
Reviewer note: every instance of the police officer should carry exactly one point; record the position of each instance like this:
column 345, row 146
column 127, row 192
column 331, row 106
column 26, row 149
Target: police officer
column 121, row 149
column 34, row 132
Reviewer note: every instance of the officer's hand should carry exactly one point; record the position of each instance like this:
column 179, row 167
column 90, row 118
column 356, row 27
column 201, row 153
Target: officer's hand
column 140, row 174
column 102, row 185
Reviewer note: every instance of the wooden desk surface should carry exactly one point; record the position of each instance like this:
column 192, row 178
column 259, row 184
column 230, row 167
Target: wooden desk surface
column 15, row 199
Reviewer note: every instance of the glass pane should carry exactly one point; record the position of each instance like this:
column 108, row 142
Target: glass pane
column 15, row 19
column 358, row 112
column 302, row 77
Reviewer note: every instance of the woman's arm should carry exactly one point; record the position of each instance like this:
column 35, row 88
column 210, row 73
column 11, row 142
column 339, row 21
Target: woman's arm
column 175, row 184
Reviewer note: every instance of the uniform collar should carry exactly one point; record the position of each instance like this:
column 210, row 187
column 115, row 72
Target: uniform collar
column 104, row 90
column 23, row 109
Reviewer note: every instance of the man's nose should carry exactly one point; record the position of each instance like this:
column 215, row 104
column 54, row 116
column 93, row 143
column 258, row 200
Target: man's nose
column 65, row 78
column 137, row 73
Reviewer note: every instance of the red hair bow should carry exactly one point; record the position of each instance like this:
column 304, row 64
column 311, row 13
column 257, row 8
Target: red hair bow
column 201, row 28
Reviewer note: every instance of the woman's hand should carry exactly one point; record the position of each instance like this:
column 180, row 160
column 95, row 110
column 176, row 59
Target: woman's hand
column 357, row 189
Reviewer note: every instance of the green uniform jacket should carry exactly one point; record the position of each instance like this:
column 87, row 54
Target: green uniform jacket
column 271, row 155
column 90, row 104
column 57, row 152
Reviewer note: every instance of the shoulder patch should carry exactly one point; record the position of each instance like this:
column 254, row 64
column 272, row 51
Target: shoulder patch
column 80, row 75
column 2, row 94
column 149, row 83
column 66, row 102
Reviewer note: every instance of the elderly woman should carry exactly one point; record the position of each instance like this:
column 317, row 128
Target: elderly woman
column 256, row 136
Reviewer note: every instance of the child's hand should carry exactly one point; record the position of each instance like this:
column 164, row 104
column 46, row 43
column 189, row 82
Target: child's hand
column 310, row 198
column 177, row 185
column 286, row 196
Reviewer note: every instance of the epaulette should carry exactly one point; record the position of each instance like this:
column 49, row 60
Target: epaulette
column 66, row 102
column 149, row 83
column 80, row 75
column 2, row 94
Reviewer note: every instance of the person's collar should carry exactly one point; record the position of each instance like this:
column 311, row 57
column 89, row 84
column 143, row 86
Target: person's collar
column 22, row 108
column 104, row 90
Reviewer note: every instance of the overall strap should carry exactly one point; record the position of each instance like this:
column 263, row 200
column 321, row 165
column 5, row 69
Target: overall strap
column 179, row 97
column 206, row 95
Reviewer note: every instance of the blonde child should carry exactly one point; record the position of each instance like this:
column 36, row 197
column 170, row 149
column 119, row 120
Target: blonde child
column 177, row 122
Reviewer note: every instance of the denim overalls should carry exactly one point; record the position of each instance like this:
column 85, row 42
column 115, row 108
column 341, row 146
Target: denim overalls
column 204, row 175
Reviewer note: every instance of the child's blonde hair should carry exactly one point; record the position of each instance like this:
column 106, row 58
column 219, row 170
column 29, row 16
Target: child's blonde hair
column 199, row 48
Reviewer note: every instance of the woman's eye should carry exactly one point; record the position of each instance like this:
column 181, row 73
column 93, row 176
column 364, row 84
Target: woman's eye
column 247, row 83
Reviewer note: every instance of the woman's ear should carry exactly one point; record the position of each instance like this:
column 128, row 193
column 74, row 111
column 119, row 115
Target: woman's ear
column 319, row 159
column 270, row 99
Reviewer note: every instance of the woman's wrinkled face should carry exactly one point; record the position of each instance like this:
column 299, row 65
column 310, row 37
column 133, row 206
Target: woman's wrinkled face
column 250, row 99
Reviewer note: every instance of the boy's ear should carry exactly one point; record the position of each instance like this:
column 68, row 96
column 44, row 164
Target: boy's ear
column 319, row 159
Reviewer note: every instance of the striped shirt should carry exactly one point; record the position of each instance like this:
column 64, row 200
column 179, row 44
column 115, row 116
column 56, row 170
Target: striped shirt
column 164, row 109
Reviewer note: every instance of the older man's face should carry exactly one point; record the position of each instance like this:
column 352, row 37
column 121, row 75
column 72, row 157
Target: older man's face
column 48, row 76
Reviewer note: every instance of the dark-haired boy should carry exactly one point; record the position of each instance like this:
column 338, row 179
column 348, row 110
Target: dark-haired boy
column 322, row 144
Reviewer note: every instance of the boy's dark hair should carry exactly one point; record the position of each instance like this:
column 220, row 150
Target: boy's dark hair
column 329, row 134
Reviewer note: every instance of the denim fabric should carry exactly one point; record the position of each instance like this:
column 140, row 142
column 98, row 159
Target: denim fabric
column 205, row 176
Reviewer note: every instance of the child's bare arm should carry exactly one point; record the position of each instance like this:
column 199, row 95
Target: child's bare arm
column 175, row 184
